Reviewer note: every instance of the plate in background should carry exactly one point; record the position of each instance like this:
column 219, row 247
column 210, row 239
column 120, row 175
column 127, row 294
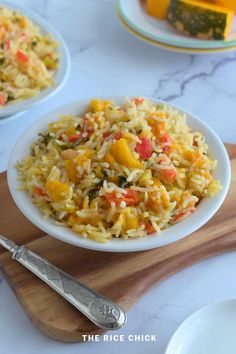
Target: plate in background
column 134, row 15
column 170, row 47
column 210, row 330
column 61, row 74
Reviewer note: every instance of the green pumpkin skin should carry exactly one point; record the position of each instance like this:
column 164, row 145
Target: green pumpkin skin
column 196, row 21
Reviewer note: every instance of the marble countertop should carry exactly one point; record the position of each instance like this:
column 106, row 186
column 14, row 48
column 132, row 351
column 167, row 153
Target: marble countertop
column 106, row 60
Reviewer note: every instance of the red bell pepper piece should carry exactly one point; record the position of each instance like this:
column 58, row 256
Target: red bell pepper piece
column 144, row 149
column 131, row 197
column 22, row 56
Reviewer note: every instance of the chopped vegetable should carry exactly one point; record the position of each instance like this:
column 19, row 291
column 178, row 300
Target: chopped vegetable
column 130, row 219
column 97, row 105
column 93, row 193
column 131, row 197
column 144, row 149
column 194, row 156
column 159, row 197
column 71, row 170
column 200, row 19
column 23, row 21
column 63, row 145
column 7, row 44
column 50, row 63
column 121, row 152
column 157, row 8
column 106, row 135
column 158, row 128
column 149, row 228
column 38, row 191
column 138, row 101
column 165, row 138
column 34, row 42
column 24, row 36
column 123, row 182
column 45, row 138
column 84, row 157
column 117, row 135
column 125, row 187
column 227, row 3
column 145, row 178
column 169, row 175
column 74, row 137
column 166, row 149
column 109, row 159
column 22, row 70
column 2, row 60
column 183, row 214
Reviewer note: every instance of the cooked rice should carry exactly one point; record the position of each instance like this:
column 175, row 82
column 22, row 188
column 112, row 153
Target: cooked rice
column 28, row 58
column 140, row 171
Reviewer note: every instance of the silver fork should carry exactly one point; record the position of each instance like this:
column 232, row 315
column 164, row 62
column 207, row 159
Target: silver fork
column 99, row 309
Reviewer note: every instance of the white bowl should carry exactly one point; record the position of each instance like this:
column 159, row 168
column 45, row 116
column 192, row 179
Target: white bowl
column 61, row 73
column 205, row 210
column 210, row 330
column 8, row 119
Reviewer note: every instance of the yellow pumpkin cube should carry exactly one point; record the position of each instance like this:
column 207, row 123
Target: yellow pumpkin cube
column 230, row 4
column 23, row 21
column 130, row 219
column 84, row 157
column 97, row 105
column 121, row 152
column 157, row 8
column 109, row 158
column 57, row 191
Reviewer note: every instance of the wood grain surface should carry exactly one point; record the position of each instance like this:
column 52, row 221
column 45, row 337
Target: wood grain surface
column 124, row 277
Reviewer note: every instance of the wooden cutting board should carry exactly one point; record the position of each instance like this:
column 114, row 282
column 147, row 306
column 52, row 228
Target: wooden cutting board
column 124, row 277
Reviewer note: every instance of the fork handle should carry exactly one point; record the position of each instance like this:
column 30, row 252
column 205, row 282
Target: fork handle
column 99, row 309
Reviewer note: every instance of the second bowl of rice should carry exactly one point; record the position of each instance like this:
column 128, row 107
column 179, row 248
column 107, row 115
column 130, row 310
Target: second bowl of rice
column 34, row 59
column 119, row 174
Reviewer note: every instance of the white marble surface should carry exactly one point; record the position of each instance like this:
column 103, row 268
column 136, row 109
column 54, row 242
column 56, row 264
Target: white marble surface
column 106, row 60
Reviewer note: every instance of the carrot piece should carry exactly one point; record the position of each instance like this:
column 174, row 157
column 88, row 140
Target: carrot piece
column 131, row 197
column 138, row 101
column 117, row 135
column 7, row 44
column 169, row 175
column 149, row 228
column 22, row 56
column 165, row 138
column 74, row 137
column 38, row 191
column 2, row 99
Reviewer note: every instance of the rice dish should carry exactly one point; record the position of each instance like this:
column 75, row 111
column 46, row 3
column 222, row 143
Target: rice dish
column 28, row 58
column 119, row 171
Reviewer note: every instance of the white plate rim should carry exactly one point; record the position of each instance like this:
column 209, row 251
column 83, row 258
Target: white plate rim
column 169, row 47
column 184, row 43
